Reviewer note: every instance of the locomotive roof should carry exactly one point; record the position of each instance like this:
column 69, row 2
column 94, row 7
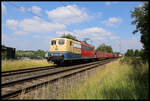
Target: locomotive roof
column 75, row 40
column 64, row 39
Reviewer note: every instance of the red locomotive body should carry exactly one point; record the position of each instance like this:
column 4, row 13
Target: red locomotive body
column 87, row 51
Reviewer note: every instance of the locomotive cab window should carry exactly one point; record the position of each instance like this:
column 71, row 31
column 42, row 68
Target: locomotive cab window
column 53, row 42
column 61, row 42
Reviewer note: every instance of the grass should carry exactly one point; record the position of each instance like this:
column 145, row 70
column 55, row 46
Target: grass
column 7, row 65
column 118, row 80
column 121, row 82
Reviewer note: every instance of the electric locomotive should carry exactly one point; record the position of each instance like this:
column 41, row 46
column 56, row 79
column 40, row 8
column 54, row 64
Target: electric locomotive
column 64, row 50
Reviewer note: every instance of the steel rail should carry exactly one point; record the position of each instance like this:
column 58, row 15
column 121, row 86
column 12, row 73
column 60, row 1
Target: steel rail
column 13, row 72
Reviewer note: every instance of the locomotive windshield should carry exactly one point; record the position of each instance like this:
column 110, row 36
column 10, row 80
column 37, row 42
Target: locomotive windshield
column 53, row 42
column 61, row 42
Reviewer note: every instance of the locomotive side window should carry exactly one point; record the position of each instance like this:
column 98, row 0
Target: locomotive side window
column 75, row 45
column 53, row 42
column 61, row 42
column 70, row 43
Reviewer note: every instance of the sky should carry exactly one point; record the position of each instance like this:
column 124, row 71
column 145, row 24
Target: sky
column 31, row 25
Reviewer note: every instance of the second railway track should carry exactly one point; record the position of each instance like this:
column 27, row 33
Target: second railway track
column 15, row 86
column 14, row 72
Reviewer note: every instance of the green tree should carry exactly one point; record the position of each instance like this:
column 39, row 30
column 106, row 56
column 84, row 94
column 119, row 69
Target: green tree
column 129, row 53
column 39, row 53
column 105, row 48
column 69, row 36
column 137, row 53
column 30, row 54
column 140, row 15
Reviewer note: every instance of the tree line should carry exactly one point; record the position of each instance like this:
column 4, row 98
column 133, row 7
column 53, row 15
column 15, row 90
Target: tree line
column 134, row 53
column 105, row 48
column 31, row 54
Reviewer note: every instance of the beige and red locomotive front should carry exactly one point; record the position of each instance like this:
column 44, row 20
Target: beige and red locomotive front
column 63, row 49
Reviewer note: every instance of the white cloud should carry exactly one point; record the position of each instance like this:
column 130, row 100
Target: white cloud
column 68, row 14
column 3, row 9
column 112, row 21
column 93, row 32
column 33, row 25
column 36, row 10
column 12, row 24
column 96, row 34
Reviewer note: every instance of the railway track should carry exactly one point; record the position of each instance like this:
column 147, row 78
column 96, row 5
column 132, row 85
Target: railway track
column 13, row 87
column 14, row 72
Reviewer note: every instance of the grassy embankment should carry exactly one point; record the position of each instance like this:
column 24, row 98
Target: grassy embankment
column 7, row 65
column 125, row 79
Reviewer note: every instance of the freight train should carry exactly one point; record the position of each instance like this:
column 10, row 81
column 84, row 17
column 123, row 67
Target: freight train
column 63, row 50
